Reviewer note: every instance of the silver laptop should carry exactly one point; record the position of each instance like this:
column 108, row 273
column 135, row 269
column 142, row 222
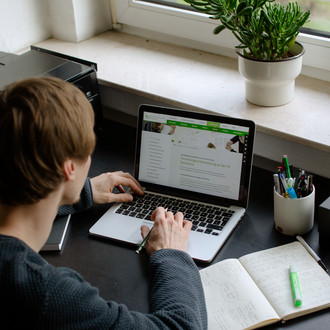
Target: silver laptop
column 196, row 163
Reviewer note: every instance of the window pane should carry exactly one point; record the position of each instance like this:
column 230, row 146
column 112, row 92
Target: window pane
column 171, row 3
column 319, row 19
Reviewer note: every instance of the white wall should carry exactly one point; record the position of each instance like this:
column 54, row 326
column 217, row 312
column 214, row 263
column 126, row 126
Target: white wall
column 92, row 17
column 62, row 20
column 76, row 20
column 25, row 22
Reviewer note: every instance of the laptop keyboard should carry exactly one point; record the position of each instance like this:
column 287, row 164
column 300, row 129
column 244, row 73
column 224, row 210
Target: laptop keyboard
column 206, row 219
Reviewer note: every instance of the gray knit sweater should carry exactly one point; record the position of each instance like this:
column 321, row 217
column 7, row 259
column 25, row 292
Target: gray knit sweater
column 37, row 295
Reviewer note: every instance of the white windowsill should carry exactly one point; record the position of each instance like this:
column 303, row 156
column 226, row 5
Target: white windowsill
column 202, row 81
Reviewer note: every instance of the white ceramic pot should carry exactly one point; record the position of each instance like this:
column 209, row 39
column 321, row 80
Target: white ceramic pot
column 271, row 83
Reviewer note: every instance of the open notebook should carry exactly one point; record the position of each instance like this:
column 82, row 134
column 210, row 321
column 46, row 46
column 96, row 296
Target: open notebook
column 196, row 163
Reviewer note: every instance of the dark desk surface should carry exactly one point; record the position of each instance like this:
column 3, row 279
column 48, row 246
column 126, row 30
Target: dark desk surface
column 122, row 276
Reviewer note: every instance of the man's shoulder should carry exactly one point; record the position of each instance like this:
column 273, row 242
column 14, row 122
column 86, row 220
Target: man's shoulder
column 24, row 265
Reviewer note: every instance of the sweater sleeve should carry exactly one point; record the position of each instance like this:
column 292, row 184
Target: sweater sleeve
column 85, row 202
column 176, row 299
column 176, row 294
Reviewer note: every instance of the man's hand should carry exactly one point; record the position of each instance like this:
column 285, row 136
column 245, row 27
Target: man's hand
column 169, row 231
column 104, row 184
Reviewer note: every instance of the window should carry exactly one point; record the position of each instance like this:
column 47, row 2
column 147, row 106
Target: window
column 174, row 21
column 320, row 13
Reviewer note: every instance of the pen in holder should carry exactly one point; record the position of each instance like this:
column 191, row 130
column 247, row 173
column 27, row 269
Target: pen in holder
column 294, row 216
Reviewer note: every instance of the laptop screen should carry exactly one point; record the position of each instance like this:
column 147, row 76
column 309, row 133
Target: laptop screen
column 195, row 153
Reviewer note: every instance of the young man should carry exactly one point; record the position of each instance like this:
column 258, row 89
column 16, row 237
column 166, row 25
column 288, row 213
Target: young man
column 46, row 141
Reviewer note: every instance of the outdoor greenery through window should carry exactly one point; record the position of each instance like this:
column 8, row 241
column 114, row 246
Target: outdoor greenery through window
column 319, row 23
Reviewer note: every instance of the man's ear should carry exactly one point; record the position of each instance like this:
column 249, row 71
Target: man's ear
column 69, row 170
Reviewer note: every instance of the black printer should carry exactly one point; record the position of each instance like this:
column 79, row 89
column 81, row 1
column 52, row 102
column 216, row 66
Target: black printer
column 40, row 62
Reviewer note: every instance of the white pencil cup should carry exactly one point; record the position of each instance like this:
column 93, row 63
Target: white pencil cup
column 294, row 216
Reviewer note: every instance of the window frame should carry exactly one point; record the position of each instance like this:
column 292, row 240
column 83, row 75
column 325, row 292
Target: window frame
column 195, row 29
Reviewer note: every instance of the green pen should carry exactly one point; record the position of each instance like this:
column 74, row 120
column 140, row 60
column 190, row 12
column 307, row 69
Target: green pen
column 137, row 251
column 286, row 166
column 296, row 294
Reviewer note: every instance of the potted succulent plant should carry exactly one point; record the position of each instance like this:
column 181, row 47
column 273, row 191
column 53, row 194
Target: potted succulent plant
column 269, row 57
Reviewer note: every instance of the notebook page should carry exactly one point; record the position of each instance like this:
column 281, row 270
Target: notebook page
column 233, row 301
column 270, row 270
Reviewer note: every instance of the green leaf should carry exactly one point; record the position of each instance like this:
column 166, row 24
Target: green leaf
column 245, row 53
column 218, row 29
column 240, row 46
column 240, row 7
column 291, row 42
column 246, row 11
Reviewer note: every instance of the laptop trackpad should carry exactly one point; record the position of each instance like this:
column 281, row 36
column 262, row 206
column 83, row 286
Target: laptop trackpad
column 136, row 236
